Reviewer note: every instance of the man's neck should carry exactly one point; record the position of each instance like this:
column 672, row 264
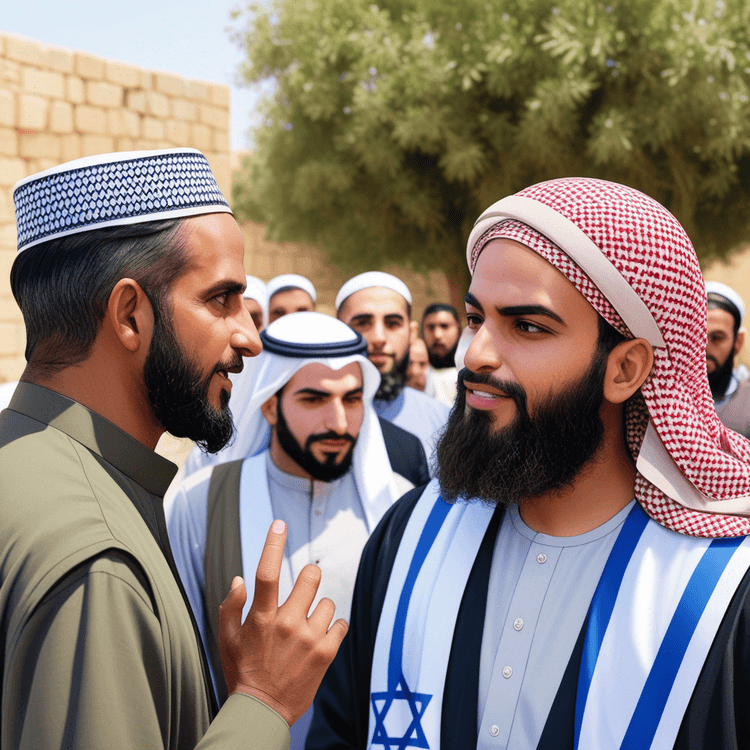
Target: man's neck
column 601, row 490
column 107, row 392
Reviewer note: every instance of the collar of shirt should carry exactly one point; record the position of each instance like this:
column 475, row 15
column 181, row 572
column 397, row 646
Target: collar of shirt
column 137, row 462
column 299, row 484
column 731, row 388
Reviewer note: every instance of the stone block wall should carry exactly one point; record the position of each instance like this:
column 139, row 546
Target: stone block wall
column 58, row 104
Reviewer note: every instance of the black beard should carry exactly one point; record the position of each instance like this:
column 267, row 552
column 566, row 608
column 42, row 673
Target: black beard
column 326, row 471
column 720, row 378
column 178, row 395
column 441, row 361
column 393, row 382
column 529, row 457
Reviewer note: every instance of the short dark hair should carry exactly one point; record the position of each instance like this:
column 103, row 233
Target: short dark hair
column 609, row 337
column 289, row 288
column 720, row 302
column 436, row 307
column 63, row 286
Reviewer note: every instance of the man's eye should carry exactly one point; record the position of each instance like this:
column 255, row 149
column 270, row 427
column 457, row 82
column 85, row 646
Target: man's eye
column 474, row 321
column 221, row 298
column 528, row 327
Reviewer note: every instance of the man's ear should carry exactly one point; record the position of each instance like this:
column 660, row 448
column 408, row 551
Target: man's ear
column 413, row 331
column 268, row 410
column 130, row 314
column 628, row 366
column 739, row 340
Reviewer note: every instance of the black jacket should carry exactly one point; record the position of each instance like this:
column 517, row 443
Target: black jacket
column 718, row 715
column 405, row 452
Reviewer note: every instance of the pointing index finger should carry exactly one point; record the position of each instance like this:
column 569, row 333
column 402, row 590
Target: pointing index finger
column 269, row 569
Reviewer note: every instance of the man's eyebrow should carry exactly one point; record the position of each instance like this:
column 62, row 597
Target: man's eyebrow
column 355, row 391
column 516, row 310
column 311, row 392
column 390, row 316
column 470, row 299
column 362, row 317
column 228, row 285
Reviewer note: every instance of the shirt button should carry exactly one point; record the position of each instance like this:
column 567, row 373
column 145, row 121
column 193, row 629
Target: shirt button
column 541, row 558
column 494, row 730
column 507, row 672
column 317, row 512
column 518, row 624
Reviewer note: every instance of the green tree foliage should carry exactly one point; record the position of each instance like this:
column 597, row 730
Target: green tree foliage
column 392, row 125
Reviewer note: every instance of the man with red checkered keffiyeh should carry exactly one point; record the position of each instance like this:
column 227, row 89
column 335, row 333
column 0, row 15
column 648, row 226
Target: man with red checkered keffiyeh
column 576, row 576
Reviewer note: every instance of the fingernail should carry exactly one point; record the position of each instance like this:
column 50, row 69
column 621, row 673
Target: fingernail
column 237, row 581
column 278, row 527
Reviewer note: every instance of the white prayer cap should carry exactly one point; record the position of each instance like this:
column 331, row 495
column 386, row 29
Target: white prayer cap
column 110, row 190
column 255, row 288
column 370, row 279
column 722, row 290
column 293, row 280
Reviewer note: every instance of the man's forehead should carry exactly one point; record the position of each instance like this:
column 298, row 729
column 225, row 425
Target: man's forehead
column 439, row 317
column 375, row 300
column 316, row 375
column 509, row 273
column 718, row 318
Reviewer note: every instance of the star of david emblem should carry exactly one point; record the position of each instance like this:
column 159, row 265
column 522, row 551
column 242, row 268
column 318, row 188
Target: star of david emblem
column 414, row 735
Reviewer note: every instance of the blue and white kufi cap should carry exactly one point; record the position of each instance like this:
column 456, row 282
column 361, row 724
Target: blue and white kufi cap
column 115, row 189
column 290, row 281
column 371, row 279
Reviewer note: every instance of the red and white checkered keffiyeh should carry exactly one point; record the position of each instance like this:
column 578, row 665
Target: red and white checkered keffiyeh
column 651, row 250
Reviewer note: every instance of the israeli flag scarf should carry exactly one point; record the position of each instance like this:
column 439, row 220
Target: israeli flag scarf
column 650, row 625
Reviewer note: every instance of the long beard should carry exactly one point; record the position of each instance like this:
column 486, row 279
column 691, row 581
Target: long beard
column 323, row 471
column 529, row 457
column 179, row 395
column 441, row 361
column 720, row 378
column 393, row 382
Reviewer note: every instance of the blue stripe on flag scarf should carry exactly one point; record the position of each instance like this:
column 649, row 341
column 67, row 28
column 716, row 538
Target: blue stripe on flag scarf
column 648, row 712
column 432, row 527
column 603, row 603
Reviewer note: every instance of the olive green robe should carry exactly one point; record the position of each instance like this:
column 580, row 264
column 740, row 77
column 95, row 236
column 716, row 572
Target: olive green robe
column 97, row 645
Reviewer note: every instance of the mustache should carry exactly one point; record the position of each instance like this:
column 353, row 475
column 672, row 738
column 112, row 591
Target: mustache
column 512, row 390
column 330, row 435
column 235, row 365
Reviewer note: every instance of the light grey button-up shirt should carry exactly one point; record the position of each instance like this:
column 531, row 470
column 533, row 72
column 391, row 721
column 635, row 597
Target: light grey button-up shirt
column 325, row 525
column 539, row 593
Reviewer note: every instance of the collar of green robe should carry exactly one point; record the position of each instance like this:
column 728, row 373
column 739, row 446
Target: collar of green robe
column 150, row 470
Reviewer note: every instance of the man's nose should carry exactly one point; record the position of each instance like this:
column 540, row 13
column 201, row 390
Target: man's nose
column 336, row 418
column 483, row 354
column 245, row 338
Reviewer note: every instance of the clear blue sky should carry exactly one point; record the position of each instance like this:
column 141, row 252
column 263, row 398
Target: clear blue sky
column 187, row 37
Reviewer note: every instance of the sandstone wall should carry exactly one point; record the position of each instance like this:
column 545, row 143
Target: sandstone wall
column 57, row 105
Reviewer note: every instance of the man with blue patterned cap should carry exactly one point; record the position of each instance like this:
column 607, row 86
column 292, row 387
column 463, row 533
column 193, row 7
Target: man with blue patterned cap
column 378, row 305
column 129, row 276
column 314, row 456
column 726, row 336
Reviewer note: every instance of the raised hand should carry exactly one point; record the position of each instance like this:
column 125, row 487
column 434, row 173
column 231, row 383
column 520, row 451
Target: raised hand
column 279, row 654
